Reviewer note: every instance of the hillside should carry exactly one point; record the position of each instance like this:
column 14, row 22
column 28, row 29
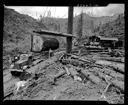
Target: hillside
column 19, row 27
column 115, row 28
column 90, row 23
column 17, row 30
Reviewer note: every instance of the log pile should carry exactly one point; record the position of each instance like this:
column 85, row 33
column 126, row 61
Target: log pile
column 78, row 69
column 90, row 75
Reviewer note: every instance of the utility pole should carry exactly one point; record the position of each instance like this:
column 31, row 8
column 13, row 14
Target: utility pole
column 70, row 29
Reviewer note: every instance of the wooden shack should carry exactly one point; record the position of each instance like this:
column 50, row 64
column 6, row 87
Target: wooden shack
column 108, row 42
column 105, row 42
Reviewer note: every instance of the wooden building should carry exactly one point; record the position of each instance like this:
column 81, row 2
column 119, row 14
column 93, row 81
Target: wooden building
column 105, row 41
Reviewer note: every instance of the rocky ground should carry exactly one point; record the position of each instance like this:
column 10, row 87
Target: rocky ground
column 59, row 80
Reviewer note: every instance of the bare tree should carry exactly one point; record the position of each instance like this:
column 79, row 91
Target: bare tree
column 80, row 27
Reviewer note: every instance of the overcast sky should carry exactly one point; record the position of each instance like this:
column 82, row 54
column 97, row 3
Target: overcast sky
column 62, row 12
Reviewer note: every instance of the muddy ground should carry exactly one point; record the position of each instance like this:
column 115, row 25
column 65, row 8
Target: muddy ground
column 66, row 87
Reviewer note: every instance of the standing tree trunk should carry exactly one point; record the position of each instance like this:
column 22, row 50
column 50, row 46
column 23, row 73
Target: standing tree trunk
column 80, row 27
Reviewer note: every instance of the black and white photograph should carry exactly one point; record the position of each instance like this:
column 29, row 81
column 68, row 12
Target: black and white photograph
column 64, row 53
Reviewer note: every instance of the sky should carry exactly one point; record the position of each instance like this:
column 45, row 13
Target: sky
column 62, row 12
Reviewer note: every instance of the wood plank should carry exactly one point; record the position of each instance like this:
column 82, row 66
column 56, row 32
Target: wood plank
column 45, row 32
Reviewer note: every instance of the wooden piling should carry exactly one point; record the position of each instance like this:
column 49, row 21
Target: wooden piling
column 70, row 29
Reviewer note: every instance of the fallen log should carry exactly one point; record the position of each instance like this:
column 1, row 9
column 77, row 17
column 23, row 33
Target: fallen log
column 113, row 59
column 86, row 73
column 74, row 74
column 102, row 72
column 80, row 59
column 69, row 71
column 115, row 82
column 74, row 62
column 8, row 95
column 37, row 61
column 60, row 74
column 116, row 69
column 43, row 64
column 90, row 76
column 92, row 63
column 109, row 66
column 119, row 85
column 94, row 78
